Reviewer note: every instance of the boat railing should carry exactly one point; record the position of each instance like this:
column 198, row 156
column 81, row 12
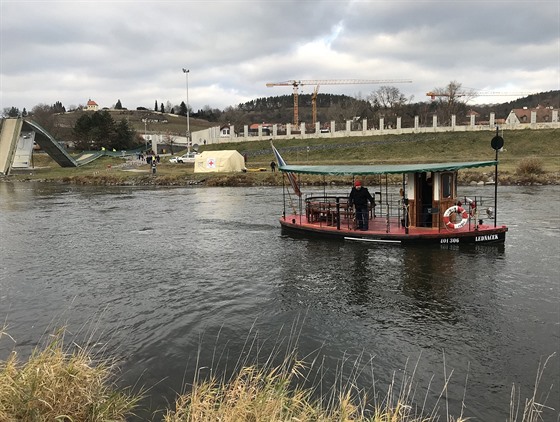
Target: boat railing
column 470, row 213
column 334, row 210
column 477, row 209
column 392, row 208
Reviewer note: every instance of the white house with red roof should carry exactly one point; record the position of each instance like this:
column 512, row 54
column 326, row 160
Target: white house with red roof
column 91, row 105
column 538, row 114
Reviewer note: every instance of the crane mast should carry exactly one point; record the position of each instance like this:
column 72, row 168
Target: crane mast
column 296, row 84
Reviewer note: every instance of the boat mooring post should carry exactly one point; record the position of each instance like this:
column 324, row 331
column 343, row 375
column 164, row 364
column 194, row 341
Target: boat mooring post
column 497, row 143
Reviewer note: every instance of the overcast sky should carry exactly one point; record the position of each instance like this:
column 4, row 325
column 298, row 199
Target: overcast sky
column 106, row 50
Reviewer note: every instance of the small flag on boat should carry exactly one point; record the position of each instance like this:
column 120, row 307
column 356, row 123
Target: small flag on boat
column 289, row 175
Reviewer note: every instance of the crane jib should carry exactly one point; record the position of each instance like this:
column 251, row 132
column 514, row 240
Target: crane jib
column 295, row 84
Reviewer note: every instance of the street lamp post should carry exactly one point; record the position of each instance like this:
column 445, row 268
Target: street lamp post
column 186, row 72
column 145, row 135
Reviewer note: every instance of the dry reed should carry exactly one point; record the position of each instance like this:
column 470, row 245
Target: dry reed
column 57, row 385
column 293, row 391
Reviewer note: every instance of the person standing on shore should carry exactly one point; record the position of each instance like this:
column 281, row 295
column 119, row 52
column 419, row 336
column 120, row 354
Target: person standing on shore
column 272, row 166
column 359, row 197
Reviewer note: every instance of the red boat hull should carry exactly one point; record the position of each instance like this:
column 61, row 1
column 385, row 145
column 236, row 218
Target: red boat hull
column 381, row 231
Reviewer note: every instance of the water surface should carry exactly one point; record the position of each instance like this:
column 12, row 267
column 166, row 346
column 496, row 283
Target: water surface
column 164, row 277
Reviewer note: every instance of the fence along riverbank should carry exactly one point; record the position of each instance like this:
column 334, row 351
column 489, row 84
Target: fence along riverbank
column 362, row 127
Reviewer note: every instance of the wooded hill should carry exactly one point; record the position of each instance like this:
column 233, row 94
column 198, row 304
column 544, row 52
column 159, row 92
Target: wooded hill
column 340, row 108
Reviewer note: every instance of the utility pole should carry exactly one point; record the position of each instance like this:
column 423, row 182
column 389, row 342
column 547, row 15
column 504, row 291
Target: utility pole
column 145, row 135
column 186, row 72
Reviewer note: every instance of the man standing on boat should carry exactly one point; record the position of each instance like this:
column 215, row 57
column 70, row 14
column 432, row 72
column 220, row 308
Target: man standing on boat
column 359, row 197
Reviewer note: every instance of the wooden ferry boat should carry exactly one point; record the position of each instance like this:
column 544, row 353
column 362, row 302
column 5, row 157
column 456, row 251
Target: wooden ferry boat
column 427, row 208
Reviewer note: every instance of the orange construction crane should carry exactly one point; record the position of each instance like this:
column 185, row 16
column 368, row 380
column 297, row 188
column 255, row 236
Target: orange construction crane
column 474, row 93
column 314, row 105
column 297, row 84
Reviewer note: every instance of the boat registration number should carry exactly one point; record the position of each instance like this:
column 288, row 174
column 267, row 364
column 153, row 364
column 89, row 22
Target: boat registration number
column 450, row 240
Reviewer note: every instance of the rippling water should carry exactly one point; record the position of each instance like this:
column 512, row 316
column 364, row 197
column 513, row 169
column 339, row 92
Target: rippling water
column 162, row 276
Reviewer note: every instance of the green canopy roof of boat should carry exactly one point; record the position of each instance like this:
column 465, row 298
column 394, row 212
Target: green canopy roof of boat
column 349, row 170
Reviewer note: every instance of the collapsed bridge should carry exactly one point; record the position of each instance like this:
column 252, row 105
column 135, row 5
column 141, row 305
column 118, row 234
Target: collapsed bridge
column 17, row 138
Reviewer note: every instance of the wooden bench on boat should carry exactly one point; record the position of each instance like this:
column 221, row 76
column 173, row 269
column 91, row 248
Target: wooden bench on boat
column 331, row 210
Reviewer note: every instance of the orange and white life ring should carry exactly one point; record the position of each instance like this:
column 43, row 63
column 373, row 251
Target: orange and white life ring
column 455, row 209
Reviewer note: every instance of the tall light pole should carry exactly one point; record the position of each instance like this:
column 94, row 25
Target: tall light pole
column 186, row 72
column 145, row 135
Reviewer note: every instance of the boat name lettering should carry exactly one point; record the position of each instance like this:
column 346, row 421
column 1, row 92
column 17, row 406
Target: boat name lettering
column 450, row 240
column 486, row 238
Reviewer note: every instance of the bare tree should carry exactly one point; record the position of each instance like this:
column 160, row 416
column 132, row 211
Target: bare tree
column 233, row 116
column 451, row 100
column 43, row 114
column 388, row 102
column 388, row 97
column 169, row 140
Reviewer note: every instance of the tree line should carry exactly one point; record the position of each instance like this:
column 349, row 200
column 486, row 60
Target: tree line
column 99, row 129
column 387, row 102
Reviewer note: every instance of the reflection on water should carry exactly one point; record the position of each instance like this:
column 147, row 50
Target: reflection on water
column 361, row 273
column 174, row 275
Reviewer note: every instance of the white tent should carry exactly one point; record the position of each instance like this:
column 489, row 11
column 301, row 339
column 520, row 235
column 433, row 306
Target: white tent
column 227, row 161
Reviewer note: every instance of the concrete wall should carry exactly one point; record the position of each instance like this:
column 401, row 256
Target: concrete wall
column 213, row 136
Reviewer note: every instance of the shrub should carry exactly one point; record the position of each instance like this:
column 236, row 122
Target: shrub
column 530, row 165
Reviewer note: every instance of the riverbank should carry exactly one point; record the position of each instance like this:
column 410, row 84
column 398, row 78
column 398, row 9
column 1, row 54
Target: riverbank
column 528, row 158
column 143, row 177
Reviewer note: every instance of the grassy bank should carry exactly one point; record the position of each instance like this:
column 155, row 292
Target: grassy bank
column 529, row 157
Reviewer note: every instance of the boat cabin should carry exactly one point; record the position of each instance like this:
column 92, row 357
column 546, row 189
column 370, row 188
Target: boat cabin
column 427, row 193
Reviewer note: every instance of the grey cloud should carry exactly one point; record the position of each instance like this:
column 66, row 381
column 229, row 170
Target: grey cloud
column 70, row 51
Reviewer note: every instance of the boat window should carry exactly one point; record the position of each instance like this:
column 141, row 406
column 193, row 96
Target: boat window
column 447, row 185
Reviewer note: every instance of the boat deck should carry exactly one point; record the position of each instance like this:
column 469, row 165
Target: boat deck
column 390, row 230
column 377, row 224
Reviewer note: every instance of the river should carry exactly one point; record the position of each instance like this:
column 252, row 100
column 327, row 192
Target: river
column 179, row 280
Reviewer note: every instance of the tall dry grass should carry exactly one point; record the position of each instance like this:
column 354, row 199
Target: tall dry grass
column 295, row 389
column 275, row 394
column 292, row 391
column 534, row 408
column 272, row 394
column 56, row 384
column 59, row 384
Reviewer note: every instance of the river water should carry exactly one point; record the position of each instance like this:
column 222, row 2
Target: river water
column 175, row 281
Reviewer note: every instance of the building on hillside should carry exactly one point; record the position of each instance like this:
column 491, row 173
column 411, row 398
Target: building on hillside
column 474, row 113
column 472, row 116
column 91, row 105
column 523, row 115
column 225, row 131
column 266, row 129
